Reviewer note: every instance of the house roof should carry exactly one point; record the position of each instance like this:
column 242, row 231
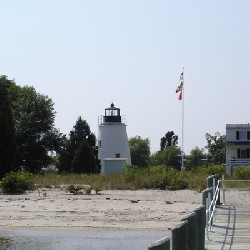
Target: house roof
column 228, row 126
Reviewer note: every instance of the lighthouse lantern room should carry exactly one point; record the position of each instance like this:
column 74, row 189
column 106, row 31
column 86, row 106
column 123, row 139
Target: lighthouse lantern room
column 113, row 147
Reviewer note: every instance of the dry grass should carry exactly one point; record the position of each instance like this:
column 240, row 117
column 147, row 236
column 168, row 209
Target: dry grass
column 156, row 177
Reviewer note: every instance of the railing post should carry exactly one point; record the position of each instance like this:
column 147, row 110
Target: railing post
column 209, row 181
column 200, row 220
column 223, row 188
column 218, row 181
column 213, row 186
column 205, row 195
column 209, row 210
column 207, row 218
column 213, row 190
column 191, row 231
column 179, row 236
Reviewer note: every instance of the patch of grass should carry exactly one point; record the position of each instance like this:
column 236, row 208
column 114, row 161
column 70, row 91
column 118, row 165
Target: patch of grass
column 234, row 184
column 240, row 174
column 154, row 177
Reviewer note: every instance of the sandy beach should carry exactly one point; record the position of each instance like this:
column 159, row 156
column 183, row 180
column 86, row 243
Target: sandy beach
column 123, row 210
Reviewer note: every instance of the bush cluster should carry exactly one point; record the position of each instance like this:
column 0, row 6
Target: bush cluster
column 132, row 178
column 242, row 173
column 216, row 169
column 16, row 182
column 161, row 177
column 73, row 189
column 76, row 189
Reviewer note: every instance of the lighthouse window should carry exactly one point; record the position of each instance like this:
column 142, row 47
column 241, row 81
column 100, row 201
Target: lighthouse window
column 111, row 112
column 117, row 156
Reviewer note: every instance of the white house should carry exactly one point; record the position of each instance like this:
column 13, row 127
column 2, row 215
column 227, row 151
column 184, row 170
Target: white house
column 237, row 146
column 113, row 147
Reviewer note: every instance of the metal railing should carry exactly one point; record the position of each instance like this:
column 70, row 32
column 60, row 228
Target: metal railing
column 101, row 119
column 239, row 161
column 210, row 206
column 223, row 181
column 212, row 201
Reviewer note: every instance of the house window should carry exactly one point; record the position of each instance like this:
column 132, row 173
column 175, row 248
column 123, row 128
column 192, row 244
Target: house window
column 242, row 135
column 248, row 135
column 117, row 156
column 243, row 153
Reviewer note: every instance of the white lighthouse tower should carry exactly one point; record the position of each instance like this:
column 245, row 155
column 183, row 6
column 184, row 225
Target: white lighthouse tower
column 113, row 148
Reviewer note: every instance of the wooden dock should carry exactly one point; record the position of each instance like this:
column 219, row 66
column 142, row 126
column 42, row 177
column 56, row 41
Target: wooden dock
column 231, row 228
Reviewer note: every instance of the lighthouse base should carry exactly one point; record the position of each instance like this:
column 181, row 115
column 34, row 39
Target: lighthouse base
column 113, row 165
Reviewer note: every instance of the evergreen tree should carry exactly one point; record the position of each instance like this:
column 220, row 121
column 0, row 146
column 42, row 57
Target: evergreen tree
column 170, row 139
column 72, row 146
column 81, row 131
column 65, row 158
column 84, row 159
column 7, row 131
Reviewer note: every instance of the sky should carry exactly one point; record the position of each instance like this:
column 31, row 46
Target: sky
column 85, row 55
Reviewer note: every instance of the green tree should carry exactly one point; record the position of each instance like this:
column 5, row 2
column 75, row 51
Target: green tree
column 157, row 159
column 65, row 156
column 170, row 156
column 84, row 159
column 36, row 136
column 216, row 146
column 170, row 139
column 7, row 131
column 80, row 132
column 139, row 151
column 195, row 158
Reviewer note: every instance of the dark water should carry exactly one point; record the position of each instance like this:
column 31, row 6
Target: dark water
column 99, row 240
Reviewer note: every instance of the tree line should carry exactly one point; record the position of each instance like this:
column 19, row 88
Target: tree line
column 169, row 153
column 30, row 141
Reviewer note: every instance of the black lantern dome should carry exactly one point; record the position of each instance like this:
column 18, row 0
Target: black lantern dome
column 112, row 114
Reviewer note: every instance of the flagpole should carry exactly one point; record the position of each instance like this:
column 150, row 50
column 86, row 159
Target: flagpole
column 182, row 146
column 180, row 90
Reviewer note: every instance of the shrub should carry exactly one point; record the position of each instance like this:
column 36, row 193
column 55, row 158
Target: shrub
column 97, row 187
column 73, row 189
column 131, row 172
column 242, row 173
column 88, row 191
column 164, row 178
column 16, row 182
column 196, row 179
column 216, row 169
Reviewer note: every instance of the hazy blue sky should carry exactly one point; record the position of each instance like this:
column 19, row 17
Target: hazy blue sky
column 86, row 54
